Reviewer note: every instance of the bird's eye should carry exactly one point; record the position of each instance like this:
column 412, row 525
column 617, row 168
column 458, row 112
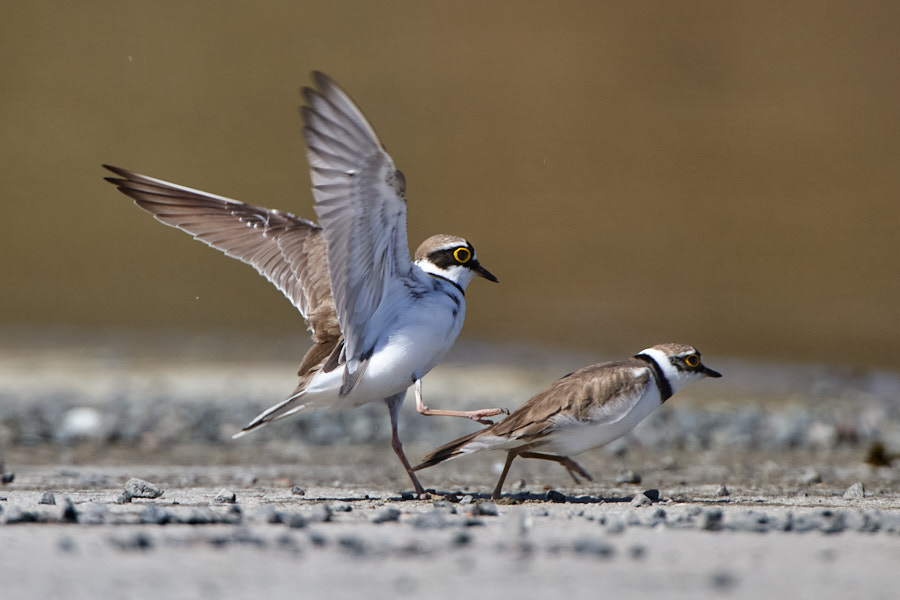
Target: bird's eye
column 692, row 361
column 462, row 255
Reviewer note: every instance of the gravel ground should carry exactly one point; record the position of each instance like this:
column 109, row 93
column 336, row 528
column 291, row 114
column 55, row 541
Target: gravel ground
column 228, row 532
column 119, row 479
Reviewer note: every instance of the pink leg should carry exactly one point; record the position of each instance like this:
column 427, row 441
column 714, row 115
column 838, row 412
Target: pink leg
column 394, row 403
column 475, row 415
column 571, row 466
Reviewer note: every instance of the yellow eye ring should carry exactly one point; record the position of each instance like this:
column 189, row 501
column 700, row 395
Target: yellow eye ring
column 462, row 255
column 692, row 361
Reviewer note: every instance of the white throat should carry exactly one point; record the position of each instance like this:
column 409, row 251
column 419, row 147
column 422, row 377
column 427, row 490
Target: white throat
column 459, row 275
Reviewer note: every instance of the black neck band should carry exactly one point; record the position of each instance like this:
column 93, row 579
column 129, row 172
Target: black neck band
column 450, row 281
column 662, row 384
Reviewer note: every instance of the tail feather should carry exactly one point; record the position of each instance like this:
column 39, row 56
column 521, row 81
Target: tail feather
column 281, row 410
column 447, row 451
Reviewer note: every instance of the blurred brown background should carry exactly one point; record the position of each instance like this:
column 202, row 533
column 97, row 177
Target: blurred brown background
column 723, row 174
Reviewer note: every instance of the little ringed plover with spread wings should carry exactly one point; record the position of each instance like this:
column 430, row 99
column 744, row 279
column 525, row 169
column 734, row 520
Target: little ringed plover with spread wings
column 379, row 320
column 585, row 409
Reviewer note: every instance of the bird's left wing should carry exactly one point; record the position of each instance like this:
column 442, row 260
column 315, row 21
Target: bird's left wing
column 361, row 205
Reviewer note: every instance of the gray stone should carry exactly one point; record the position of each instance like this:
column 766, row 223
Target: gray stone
column 69, row 514
column 156, row 515
column 48, row 498
column 488, row 509
column 855, row 492
column 594, row 546
column 132, row 540
column 138, row 488
column 386, row 515
column 433, row 519
column 298, row 491
column 320, row 513
column 225, row 497
column 711, row 519
column 810, row 476
column 641, row 500
column 722, row 491
column 94, row 513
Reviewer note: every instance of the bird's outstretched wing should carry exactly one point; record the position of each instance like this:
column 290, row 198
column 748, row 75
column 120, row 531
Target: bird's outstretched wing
column 361, row 205
column 285, row 249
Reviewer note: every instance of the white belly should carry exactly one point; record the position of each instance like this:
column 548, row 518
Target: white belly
column 574, row 437
column 418, row 340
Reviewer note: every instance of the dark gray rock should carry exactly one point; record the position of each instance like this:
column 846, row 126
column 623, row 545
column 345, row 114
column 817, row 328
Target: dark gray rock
column 298, row 491
column 48, row 498
column 69, row 514
column 722, row 491
column 554, row 496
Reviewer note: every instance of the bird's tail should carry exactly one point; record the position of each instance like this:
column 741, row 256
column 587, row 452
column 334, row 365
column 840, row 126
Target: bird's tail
column 290, row 406
column 448, row 451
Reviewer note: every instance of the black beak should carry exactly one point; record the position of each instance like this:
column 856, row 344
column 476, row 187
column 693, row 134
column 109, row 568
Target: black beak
column 709, row 372
column 482, row 272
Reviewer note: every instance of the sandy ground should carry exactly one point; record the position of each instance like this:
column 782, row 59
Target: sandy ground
column 330, row 526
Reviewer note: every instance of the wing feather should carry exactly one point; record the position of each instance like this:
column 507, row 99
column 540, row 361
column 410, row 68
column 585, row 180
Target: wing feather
column 361, row 206
column 287, row 250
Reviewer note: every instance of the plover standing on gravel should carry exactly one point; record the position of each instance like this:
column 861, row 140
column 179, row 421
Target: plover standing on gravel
column 585, row 409
column 380, row 321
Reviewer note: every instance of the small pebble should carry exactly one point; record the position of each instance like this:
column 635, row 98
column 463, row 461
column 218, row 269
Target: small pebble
column 298, row 491
column 386, row 515
column 488, row 509
column 628, row 477
column 653, row 494
column 66, row 544
column 855, row 492
column 225, row 497
column 132, row 540
column 69, row 514
column 320, row 513
column 594, row 546
column 722, row 491
column 810, row 476
column 48, row 498
column 152, row 514
column 94, row 513
column 467, row 499
column 138, row 488
column 7, row 477
column 433, row 519
column 554, row 496
column 641, row 500
column 294, row 521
